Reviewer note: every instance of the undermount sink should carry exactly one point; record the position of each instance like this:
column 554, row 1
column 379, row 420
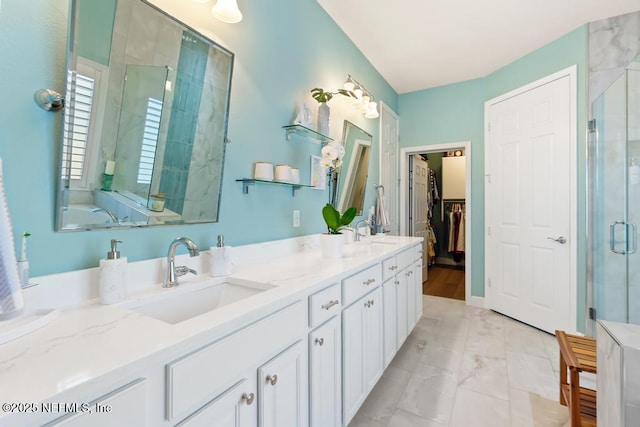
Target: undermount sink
column 190, row 300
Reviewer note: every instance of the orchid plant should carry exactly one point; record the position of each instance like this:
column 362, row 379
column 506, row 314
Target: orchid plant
column 335, row 221
column 332, row 155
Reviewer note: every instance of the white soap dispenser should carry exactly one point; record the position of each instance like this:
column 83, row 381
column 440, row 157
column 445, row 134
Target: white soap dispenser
column 113, row 276
column 220, row 258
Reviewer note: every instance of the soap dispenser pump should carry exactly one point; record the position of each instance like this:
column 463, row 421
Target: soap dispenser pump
column 113, row 276
column 220, row 258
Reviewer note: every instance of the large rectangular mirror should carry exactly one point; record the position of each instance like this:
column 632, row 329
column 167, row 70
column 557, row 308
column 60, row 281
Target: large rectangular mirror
column 145, row 120
column 352, row 184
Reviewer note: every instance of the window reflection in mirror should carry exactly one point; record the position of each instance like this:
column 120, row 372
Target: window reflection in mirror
column 353, row 177
column 151, row 96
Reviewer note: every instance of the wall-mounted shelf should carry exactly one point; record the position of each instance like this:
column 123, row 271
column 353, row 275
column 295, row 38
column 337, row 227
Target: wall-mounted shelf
column 306, row 132
column 246, row 182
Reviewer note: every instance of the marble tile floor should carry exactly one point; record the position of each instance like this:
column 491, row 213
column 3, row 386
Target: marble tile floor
column 468, row 367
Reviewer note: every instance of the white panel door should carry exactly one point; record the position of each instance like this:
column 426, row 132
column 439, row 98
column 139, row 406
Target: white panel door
column 529, row 206
column 389, row 178
column 419, row 206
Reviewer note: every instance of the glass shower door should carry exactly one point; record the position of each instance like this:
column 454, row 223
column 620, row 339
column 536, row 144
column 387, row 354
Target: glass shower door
column 615, row 203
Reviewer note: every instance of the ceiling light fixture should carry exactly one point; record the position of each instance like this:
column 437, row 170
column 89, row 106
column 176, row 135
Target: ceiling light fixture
column 227, row 11
column 362, row 98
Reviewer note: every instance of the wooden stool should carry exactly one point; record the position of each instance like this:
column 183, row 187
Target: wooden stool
column 577, row 354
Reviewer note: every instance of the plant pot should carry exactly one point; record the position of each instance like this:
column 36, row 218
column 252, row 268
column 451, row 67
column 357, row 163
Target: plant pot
column 322, row 125
column 332, row 245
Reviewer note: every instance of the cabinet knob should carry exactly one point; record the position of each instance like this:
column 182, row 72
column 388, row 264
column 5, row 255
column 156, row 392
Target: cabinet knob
column 273, row 379
column 320, row 341
column 248, row 398
column 330, row 304
column 397, row 282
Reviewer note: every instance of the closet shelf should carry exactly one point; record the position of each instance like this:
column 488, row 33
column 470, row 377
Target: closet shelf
column 306, row 132
column 246, row 182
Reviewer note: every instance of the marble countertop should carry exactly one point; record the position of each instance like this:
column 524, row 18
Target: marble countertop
column 90, row 340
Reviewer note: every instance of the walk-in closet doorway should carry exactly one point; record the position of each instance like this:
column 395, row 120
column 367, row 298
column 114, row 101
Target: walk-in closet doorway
column 413, row 221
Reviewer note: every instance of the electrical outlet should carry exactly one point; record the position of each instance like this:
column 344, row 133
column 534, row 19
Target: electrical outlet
column 296, row 218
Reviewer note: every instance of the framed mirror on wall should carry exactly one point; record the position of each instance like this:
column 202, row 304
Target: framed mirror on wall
column 352, row 184
column 145, row 121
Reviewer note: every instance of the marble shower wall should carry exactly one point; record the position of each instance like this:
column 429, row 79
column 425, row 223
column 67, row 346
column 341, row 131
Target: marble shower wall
column 613, row 45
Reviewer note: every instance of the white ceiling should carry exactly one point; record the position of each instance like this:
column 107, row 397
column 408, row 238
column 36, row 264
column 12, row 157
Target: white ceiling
column 418, row 44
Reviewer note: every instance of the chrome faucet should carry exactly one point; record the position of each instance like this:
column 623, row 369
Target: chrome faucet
column 358, row 235
column 113, row 216
column 172, row 272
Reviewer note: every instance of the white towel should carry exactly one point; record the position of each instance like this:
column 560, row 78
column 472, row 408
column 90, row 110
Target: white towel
column 381, row 214
column 11, row 301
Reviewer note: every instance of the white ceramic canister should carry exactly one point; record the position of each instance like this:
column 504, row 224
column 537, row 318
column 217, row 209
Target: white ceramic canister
column 263, row 171
column 283, row 173
column 295, row 176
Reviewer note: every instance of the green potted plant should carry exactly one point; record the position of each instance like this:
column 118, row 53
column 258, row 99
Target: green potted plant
column 332, row 242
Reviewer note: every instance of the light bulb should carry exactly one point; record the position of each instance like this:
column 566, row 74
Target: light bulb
column 227, row 11
column 365, row 103
column 349, row 85
column 372, row 111
column 358, row 93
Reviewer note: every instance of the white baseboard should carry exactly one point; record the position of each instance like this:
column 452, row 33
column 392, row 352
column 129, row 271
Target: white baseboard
column 476, row 302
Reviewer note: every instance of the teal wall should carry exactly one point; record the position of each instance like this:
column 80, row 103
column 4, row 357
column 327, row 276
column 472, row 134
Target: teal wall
column 283, row 49
column 456, row 113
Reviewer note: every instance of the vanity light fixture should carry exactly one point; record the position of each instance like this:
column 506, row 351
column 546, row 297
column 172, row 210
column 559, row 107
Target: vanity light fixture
column 227, row 11
column 362, row 98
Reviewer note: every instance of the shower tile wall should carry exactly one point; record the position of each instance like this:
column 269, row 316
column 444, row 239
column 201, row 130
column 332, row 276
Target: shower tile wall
column 164, row 52
column 188, row 90
column 207, row 158
column 613, row 44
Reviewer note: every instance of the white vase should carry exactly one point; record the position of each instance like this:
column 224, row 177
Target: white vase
column 323, row 119
column 332, row 245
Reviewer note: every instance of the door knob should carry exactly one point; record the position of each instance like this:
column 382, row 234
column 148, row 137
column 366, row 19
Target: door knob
column 562, row 240
column 248, row 398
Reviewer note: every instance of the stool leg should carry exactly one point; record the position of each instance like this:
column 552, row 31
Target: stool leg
column 563, row 378
column 574, row 405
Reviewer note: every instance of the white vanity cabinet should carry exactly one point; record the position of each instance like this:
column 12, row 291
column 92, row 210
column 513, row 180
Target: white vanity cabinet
column 390, row 320
column 362, row 351
column 413, row 275
column 282, row 389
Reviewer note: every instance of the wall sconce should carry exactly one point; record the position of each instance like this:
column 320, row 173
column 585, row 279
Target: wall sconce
column 362, row 98
column 225, row 10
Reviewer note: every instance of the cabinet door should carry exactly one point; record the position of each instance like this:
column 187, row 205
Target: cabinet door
column 417, row 280
column 325, row 374
column 401, row 307
column 362, row 351
column 373, row 331
column 390, row 320
column 236, row 407
column 411, row 297
column 353, row 345
column 282, row 393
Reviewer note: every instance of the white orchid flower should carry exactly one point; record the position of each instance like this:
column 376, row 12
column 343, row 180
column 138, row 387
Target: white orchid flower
column 330, row 152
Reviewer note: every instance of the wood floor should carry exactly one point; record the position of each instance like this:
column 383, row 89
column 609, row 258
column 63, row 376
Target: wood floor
column 445, row 281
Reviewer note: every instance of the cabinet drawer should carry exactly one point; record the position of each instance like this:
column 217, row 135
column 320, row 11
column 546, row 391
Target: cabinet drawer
column 405, row 258
column 324, row 305
column 198, row 377
column 389, row 268
column 360, row 283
